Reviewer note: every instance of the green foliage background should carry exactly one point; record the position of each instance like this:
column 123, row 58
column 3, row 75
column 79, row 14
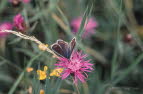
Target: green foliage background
column 118, row 63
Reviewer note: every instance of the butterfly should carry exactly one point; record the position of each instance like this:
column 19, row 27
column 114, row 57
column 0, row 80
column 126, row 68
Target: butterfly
column 64, row 49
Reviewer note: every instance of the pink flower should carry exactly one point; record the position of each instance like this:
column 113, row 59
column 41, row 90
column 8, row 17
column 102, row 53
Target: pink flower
column 76, row 66
column 5, row 26
column 19, row 22
column 88, row 28
column 26, row 1
column 16, row 2
column 11, row 1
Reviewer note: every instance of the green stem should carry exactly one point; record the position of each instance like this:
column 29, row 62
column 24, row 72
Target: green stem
column 114, row 59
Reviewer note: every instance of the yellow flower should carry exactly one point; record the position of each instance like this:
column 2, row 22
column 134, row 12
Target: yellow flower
column 43, row 47
column 42, row 74
column 56, row 72
column 29, row 69
column 42, row 91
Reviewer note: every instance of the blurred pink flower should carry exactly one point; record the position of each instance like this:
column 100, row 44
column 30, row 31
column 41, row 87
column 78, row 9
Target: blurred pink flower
column 26, row 1
column 5, row 26
column 76, row 66
column 16, row 2
column 19, row 22
column 88, row 28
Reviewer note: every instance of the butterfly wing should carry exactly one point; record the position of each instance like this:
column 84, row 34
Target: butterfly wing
column 57, row 49
column 72, row 45
column 65, row 47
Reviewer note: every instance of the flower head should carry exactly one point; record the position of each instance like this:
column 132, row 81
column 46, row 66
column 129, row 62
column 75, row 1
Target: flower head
column 19, row 22
column 42, row 91
column 5, row 26
column 88, row 28
column 42, row 74
column 29, row 69
column 76, row 66
column 26, row 1
column 56, row 72
column 16, row 2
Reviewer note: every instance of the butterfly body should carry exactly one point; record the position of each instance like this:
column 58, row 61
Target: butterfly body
column 64, row 49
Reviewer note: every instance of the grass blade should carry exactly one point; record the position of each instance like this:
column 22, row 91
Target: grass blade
column 11, row 91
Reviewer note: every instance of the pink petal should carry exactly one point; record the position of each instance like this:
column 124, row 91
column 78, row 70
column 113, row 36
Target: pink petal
column 65, row 74
column 80, row 76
